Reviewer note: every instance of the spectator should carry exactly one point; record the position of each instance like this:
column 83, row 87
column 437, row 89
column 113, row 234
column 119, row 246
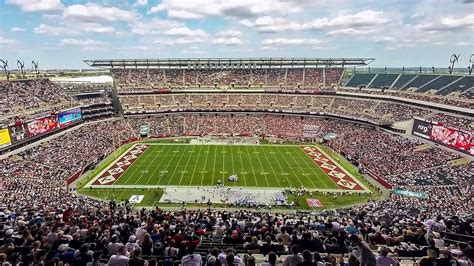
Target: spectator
column 120, row 258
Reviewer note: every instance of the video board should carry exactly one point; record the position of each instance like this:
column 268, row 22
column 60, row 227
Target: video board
column 43, row 125
column 457, row 139
column 69, row 117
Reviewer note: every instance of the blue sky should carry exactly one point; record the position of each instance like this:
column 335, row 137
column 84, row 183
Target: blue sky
column 60, row 33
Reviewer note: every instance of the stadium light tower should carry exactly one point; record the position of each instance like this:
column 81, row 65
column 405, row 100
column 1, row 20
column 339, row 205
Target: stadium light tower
column 34, row 65
column 454, row 58
column 5, row 68
column 21, row 66
column 471, row 61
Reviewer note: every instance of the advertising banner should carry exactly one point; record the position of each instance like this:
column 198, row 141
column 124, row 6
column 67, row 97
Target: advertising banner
column 422, row 129
column 420, row 195
column 18, row 132
column 4, row 138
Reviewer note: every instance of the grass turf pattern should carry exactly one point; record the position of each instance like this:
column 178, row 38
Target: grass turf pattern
column 203, row 165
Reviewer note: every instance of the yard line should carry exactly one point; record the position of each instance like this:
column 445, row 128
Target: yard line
column 214, row 167
column 205, row 164
column 291, row 168
column 242, row 164
column 232, row 160
column 310, row 180
column 177, row 164
column 223, row 165
column 186, row 167
column 166, row 155
column 138, row 180
column 263, row 170
column 197, row 161
column 158, row 166
column 251, row 166
column 271, row 166
column 282, row 169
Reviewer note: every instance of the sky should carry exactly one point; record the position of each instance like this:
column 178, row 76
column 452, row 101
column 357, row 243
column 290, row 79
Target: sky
column 62, row 33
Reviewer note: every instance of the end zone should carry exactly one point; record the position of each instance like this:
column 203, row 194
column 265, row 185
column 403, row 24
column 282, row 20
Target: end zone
column 339, row 175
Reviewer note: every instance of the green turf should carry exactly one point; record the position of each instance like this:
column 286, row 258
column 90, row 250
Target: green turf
column 204, row 165
column 151, row 196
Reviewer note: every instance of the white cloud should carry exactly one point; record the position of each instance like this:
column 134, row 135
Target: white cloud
column 37, row 5
column 183, row 14
column 450, row 23
column 350, row 22
column 86, row 43
column 74, row 29
column 17, row 29
column 179, row 40
column 197, row 9
column 228, row 37
column 228, row 33
column 228, row 41
column 186, row 32
column 271, row 24
column 183, row 35
column 97, row 13
column 153, row 26
column 279, row 42
column 47, row 29
column 6, row 42
column 192, row 50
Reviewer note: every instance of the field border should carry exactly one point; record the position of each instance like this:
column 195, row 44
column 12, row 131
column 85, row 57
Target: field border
column 91, row 183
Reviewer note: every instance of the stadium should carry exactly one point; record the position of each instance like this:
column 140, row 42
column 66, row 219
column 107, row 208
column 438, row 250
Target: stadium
column 236, row 161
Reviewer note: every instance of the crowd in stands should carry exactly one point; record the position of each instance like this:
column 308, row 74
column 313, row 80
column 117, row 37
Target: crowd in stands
column 382, row 112
column 35, row 178
column 464, row 100
column 456, row 121
column 131, row 80
column 21, row 95
column 102, row 99
column 42, row 223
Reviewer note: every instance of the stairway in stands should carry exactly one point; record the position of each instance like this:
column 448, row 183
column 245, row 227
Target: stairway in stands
column 457, row 162
column 423, row 147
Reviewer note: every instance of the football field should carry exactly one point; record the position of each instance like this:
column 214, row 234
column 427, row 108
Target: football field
column 265, row 166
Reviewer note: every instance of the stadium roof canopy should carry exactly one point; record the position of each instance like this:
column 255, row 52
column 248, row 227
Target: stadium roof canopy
column 228, row 63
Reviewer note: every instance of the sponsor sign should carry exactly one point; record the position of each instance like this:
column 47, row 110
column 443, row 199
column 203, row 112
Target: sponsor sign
column 4, row 138
column 422, row 129
column 420, row 195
